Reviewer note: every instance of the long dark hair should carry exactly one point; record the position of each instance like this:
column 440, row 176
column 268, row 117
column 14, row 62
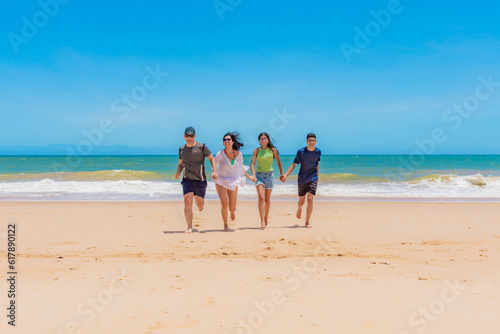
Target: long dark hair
column 235, row 136
column 269, row 141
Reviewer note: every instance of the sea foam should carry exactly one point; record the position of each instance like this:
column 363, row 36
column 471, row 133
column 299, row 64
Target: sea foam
column 429, row 186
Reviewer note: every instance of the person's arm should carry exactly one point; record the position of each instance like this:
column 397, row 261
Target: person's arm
column 180, row 166
column 213, row 163
column 280, row 166
column 317, row 166
column 254, row 158
column 296, row 161
column 290, row 170
column 252, row 178
column 239, row 162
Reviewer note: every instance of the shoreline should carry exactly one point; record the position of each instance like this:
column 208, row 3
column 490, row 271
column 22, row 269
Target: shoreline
column 277, row 199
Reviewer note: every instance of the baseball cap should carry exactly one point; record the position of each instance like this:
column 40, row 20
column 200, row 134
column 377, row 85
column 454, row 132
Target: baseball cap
column 189, row 130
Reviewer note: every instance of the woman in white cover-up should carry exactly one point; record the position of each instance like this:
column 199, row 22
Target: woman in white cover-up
column 231, row 174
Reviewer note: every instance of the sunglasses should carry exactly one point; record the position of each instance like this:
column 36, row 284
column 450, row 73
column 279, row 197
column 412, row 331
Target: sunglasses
column 189, row 136
column 226, row 139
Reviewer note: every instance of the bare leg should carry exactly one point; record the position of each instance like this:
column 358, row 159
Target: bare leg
column 199, row 202
column 310, row 198
column 302, row 200
column 232, row 195
column 260, row 193
column 268, row 204
column 188, row 211
column 222, row 192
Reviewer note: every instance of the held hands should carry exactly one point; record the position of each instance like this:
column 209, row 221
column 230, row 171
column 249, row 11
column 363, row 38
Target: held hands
column 215, row 176
column 283, row 178
column 253, row 178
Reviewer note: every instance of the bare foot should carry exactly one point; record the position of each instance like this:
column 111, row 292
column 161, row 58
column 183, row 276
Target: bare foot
column 201, row 209
column 299, row 212
column 262, row 225
column 266, row 222
column 308, row 225
column 233, row 216
column 188, row 231
column 226, row 228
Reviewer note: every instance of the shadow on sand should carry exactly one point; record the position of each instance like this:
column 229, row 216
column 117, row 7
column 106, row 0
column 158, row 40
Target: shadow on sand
column 234, row 230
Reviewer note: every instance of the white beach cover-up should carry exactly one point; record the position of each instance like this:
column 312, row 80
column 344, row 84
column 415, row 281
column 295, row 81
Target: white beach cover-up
column 230, row 176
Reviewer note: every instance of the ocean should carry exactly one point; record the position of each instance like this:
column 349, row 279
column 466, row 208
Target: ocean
column 342, row 177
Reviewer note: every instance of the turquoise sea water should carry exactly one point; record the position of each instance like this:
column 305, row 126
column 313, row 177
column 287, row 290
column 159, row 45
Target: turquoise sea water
column 341, row 176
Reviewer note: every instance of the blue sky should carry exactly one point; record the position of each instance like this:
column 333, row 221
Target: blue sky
column 276, row 66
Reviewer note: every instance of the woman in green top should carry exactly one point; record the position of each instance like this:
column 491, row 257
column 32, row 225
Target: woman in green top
column 265, row 176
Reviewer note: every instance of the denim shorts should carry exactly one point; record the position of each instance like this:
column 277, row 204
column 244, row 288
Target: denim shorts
column 265, row 178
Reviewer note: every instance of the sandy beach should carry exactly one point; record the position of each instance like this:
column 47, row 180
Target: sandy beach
column 364, row 267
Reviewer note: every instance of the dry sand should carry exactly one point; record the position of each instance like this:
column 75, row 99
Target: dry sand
column 365, row 267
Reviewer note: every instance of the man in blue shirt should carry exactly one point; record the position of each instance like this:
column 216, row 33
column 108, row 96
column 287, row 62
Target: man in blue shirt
column 308, row 158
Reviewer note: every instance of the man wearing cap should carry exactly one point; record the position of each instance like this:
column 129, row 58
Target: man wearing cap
column 194, row 182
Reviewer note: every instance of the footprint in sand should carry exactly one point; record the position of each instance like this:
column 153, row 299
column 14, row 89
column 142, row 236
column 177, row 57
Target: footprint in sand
column 210, row 301
column 156, row 326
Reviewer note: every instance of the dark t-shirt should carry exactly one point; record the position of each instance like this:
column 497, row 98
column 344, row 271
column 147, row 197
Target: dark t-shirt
column 193, row 159
column 308, row 161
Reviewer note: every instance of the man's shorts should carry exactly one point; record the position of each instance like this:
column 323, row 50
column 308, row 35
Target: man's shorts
column 265, row 178
column 199, row 188
column 309, row 187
